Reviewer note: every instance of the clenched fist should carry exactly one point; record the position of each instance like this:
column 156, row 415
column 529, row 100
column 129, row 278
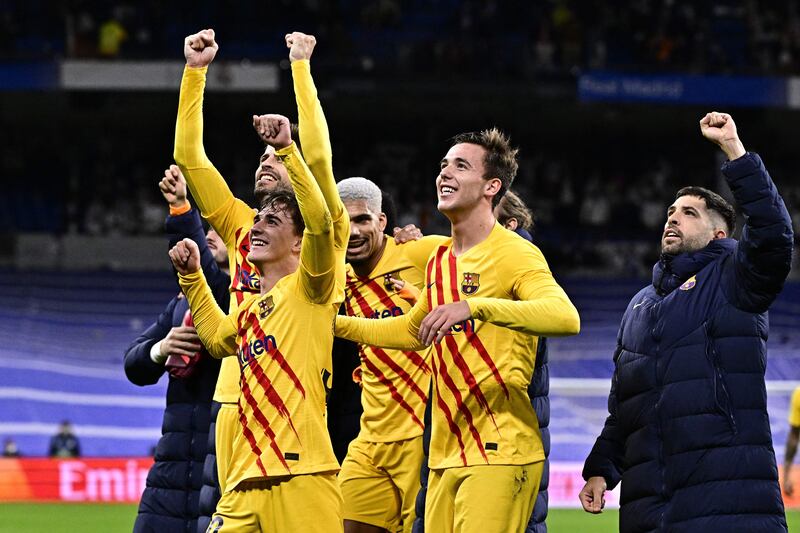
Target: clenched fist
column 720, row 129
column 200, row 48
column 185, row 257
column 173, row 186
column 274, row 130
column 300, row 46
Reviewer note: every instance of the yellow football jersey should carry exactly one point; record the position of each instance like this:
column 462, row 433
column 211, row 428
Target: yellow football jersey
column 233, row 218
column 395, row 382
column 482, row 368
column 285, row 371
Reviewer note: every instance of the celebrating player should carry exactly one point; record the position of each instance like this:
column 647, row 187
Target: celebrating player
column 282, row 474
column 488, row 294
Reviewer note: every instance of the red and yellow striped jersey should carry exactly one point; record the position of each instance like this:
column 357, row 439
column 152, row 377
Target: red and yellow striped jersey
column 233, row 218
column 283, row 342
column 482, row 368
column 395, row 382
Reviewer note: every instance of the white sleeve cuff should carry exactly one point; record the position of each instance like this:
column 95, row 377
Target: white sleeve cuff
column 155, row 354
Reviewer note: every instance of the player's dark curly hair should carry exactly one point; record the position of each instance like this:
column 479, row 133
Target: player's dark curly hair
column 501, row 158
column 714, row 202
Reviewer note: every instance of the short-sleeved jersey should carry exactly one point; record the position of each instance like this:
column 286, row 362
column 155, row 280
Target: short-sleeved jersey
column 794, row 409
column 395, row 382
column 481, row 370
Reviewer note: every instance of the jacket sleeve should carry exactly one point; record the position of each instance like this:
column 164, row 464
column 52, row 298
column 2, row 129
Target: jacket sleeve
column 764, row 253
column 189, row 225
column 139, row 368
column 608, row 451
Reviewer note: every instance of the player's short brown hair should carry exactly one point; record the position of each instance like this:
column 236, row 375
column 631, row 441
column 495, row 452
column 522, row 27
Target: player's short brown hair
column 284, row 200
column 501, row 157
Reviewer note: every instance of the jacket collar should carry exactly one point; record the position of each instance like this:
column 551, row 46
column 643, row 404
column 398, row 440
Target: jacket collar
column 672, row 270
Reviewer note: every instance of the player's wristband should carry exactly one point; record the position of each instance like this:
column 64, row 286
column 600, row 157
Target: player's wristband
column 181, row 209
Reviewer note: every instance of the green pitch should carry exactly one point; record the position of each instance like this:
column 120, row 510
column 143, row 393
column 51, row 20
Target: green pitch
column 113, row 518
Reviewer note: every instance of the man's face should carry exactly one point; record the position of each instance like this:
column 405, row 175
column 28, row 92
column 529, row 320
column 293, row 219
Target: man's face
column 460, row 184
column 273, row 236
column 270, row 174
column 217, row 247
column 689, row 226
column 366, row 231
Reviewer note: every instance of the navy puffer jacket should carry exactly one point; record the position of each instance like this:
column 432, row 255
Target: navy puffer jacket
column 688, row 433
column 171, row 500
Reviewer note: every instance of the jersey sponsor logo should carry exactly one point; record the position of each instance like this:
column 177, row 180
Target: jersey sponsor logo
column 254, row 348
column 266, row 306
column 386, row 313
column 689, row 284
column 470, row 283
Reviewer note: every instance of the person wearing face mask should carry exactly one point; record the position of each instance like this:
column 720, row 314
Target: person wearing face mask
column 688, row 433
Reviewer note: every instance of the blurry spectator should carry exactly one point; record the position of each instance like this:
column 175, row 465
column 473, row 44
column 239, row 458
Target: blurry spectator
column 10, row 448
column 111, row 36
column 64, row 444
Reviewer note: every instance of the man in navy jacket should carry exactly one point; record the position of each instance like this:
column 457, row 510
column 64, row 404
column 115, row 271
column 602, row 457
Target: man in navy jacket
column 172, row 500
column 688, row 432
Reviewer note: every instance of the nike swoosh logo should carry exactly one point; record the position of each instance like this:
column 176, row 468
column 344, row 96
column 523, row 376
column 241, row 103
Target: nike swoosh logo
column 637, row 305
column 430, row 285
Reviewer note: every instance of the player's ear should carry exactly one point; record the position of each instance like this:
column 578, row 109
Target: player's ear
column 493, row 186
column 382, row 222
column 512, row 224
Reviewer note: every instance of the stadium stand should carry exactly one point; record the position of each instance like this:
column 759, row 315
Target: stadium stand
column 51, row 372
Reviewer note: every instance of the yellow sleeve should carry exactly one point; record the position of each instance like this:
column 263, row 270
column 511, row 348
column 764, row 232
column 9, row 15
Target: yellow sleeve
column 209, row 190
column 316, row 142
column 419, row 251
column 400, row 333
column 317, row 257
column 794, row 410
column 539, row 305
column 217, row 331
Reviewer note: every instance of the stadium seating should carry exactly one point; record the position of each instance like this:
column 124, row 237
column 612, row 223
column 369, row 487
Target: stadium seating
column 62, row 338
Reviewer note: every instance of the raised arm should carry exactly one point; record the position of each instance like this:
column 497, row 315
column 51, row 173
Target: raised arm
column 314, row 135
column 317, row 257
column 764, row 254
column 209, row 190
column 217, row 330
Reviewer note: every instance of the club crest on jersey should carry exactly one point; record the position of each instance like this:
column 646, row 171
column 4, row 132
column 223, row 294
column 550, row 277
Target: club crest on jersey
column 265, row 307
column 387, row 280
column 688, row 284
column 471, row 283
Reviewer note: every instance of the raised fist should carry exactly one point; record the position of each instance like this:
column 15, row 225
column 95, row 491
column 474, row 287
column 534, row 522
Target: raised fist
column 720, row 129
column 200, row 48
column 274, row 130
column 185, row 257
column 300, row 45
column 173, row 186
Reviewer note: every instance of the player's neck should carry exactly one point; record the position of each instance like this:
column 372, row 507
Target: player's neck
column 471, row 228
column 365, row 268
column 271, row 273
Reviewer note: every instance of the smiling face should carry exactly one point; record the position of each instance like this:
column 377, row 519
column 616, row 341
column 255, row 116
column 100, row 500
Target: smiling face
column 366, row 232
column 690, row 226
column 270, row 175
column 274, row 236
column 461, row 185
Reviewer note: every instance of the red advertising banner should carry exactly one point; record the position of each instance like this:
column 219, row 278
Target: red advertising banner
column 122, row 480
column 73, row 480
